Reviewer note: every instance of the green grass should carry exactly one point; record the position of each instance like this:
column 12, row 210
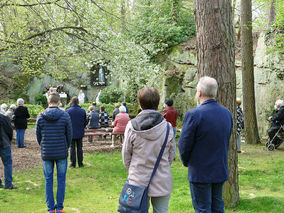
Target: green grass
column 96, row 187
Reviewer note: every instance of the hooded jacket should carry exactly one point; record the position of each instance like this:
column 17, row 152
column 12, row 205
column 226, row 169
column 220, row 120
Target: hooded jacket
column 144, row 137
column 54, row 133
column 6, row 132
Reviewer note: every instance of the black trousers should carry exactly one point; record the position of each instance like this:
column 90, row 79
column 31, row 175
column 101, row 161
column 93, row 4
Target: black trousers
column 76, row 143
column 271, row 132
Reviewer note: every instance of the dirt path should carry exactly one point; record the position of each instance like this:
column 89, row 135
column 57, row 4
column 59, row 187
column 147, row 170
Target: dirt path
column 29, row 157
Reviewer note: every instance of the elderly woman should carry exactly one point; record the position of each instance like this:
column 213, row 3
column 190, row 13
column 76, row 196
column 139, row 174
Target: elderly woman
column 3, row 108
column 21, row 116
column 120, row 122
column 144, row 137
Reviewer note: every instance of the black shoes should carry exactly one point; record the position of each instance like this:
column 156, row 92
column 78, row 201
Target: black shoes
column 81, row 165
column 11, row 187
column 71, row 166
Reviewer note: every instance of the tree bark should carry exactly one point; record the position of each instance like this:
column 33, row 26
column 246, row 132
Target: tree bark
column 175, row 10
column 122, row 13
column 272, row 13
column 216, row 58
column 251, row 130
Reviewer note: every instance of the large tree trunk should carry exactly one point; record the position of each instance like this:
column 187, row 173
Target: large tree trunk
column 122, row 13
column 216, row 58
column 271, row 13
column 175, row 10
column 251, row 130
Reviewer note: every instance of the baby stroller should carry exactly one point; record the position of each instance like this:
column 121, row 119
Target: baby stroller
column 271, row 144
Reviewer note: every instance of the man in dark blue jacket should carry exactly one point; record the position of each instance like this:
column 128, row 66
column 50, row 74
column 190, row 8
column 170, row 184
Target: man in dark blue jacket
column 203, row 147
column 54, row 135
column 79, row 121
column 6, row 135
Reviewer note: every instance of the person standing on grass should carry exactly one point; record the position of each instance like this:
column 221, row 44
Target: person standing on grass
column 6, row 135
column 203, row 147
column 54, row 135
column 144, row 137
column 79, row 121
column 171, row 114
column 21, row 122
column 240, row 124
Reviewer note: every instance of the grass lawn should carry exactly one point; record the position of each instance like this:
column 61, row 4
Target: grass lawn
column 96, row 187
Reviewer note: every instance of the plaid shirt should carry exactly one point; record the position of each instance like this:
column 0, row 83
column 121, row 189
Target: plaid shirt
column 104, row 119
column 240, row 120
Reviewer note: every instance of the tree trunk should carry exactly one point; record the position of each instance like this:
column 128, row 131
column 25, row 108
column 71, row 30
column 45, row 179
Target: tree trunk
column 122, row 12
column 271, row 13
column 175, row 10
column 251, row 130
column 216, row 58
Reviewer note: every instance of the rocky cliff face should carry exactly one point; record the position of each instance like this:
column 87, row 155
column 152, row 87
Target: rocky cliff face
column 181, row 78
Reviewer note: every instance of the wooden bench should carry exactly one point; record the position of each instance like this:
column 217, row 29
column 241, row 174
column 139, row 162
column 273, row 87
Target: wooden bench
column 103, row 131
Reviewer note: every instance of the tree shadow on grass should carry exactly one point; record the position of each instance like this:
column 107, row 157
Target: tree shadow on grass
column 261, row 204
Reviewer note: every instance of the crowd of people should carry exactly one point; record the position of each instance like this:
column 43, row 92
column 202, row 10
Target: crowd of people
column 203, row 143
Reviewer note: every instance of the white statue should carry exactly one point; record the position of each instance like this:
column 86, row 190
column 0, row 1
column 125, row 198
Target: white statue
column 98, row 97
column 81, row 97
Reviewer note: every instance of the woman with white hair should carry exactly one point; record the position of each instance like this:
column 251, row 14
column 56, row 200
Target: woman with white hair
column 10, row 112
column 120, row 122
column 3, row 108
column 21, row 123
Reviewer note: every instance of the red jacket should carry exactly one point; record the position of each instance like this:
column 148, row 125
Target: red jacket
column 171, row 114
column 120, row 122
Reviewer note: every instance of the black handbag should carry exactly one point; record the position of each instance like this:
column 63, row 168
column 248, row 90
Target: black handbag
column 134, row 199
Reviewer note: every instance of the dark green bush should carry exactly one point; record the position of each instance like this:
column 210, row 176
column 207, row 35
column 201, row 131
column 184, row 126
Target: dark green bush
column 41, row 99
column 111, row 94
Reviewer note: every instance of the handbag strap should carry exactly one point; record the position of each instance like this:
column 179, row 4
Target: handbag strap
column 160, row 154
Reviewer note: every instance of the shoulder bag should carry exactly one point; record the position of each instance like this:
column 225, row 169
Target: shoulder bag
column 134, row 199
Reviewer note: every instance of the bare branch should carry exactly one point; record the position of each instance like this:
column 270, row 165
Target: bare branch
column 27, row 5
column 55, row 29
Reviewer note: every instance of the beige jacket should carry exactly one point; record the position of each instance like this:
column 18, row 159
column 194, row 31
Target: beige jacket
column 140, row 151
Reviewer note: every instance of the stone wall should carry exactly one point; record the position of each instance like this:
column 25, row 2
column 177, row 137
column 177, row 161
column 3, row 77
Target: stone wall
column 181, row 78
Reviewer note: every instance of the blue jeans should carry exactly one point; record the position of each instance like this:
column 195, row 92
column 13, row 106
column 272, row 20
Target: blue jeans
column 160, row 204
column 6, row 157
column 20, row 136
column 207, row 197
column 61, row 166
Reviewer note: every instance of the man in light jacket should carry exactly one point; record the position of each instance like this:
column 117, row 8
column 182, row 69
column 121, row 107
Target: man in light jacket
column 203, row 147
column 54, row 135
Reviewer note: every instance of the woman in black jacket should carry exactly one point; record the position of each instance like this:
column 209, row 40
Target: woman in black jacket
column 21, row 116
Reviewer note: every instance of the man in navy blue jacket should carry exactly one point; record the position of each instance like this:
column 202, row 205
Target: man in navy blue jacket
column 79, row 121
column 54, row 135
column 203, row 147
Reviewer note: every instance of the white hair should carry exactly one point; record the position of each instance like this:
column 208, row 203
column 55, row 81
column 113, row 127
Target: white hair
column 20, row 101
column 208, row 86
column 122, row 109
column 279, row 103
column 4, row 107
column 13, row 106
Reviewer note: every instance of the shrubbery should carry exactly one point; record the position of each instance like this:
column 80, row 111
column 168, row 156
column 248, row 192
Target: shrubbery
column 111, row 94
